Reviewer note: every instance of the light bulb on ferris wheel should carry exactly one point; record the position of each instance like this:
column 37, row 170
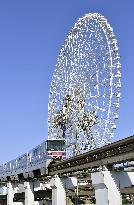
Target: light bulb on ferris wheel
column 85, row 89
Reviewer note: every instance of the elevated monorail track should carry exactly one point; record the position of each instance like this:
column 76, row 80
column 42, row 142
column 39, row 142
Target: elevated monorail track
column 115, row 153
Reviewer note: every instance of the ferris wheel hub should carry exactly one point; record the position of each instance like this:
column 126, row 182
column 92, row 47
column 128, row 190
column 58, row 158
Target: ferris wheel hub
column 85, row 90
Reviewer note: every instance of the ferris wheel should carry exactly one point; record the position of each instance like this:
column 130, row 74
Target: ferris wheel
column 85, row 89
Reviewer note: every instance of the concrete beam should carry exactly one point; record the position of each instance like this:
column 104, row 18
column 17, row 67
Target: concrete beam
column 3, row 190
column 124, row 179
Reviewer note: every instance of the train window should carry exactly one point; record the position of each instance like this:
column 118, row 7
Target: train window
column 55, row 145
column 35, row 152
column 43, row 147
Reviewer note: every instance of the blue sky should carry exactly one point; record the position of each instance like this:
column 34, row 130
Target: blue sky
column 31, row 35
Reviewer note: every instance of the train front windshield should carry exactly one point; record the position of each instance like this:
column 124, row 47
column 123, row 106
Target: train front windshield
column 56, row 145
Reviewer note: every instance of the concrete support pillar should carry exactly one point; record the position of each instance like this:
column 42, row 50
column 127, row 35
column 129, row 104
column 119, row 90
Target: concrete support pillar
column 58, row 186
column 106, row 188
column 29, row 193
column 58, row 191
column 10, row 194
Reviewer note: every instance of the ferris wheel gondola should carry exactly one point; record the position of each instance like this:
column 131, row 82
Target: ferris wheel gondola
column 85, row 89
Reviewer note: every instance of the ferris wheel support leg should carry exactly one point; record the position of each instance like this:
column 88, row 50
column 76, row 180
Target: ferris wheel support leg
column 106, row 188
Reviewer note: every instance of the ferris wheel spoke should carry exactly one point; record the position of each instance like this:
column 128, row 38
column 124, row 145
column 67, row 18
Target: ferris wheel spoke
column 85, row 90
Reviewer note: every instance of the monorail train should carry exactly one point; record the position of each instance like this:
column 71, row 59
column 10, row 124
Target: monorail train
column 50, row 149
